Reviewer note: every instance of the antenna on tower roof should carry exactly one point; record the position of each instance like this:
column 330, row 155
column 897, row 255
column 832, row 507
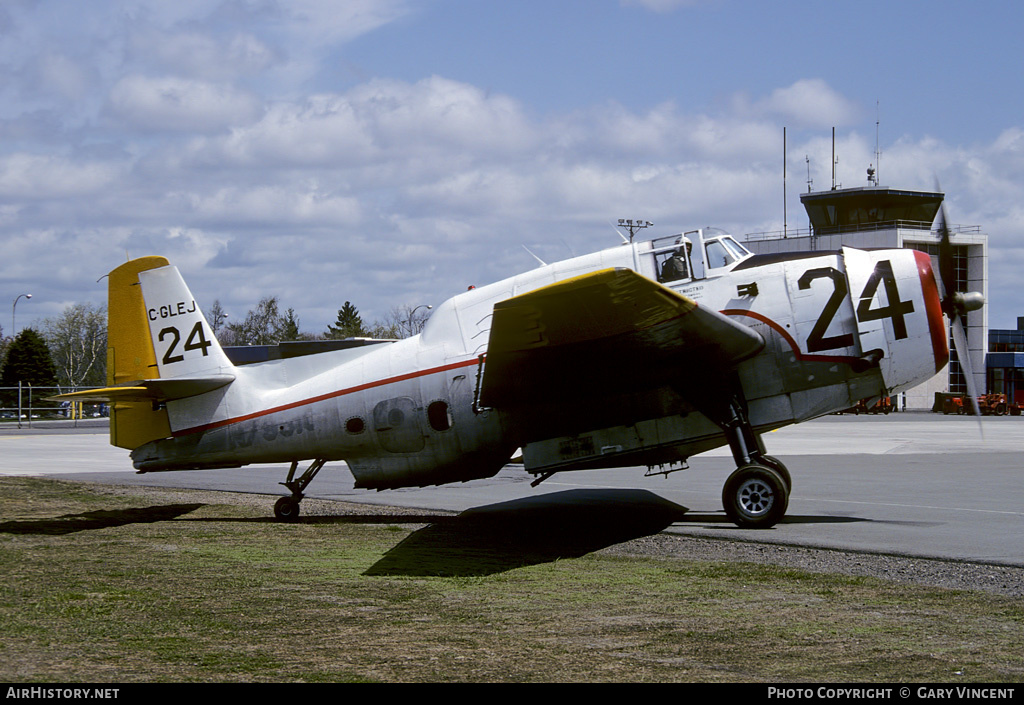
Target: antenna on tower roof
column 785, row 217
column 835, row 159
column 878, row 151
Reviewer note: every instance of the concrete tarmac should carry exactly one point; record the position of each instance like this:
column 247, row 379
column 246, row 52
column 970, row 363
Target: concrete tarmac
column 914, row 484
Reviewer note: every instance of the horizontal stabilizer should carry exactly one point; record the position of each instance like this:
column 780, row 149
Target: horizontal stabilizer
column 154, row 390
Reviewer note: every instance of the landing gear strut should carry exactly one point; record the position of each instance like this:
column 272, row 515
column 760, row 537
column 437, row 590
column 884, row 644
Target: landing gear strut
column 756, row 495
column 287, row 508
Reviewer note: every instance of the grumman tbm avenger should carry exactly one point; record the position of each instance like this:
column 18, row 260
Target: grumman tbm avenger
column 644, row 354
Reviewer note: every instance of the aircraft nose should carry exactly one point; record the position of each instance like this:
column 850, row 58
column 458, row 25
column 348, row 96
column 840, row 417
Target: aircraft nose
column 933, row 306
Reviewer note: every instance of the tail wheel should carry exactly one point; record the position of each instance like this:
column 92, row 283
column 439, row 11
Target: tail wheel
column 755, row 497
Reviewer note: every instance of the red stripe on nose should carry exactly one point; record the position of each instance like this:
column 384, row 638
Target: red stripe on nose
column 933, row 305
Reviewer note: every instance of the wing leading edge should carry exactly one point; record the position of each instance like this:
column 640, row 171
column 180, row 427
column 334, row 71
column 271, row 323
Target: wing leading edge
column 608, row 331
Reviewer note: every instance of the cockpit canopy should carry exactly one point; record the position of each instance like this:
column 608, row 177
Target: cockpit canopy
column 722, row 249
column 696, row 254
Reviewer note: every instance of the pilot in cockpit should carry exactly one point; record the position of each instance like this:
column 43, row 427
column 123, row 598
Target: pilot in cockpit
column 675, row 267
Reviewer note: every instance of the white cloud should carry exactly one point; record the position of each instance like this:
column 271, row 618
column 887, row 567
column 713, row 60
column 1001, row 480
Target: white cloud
column 202, row 55
column 70, row 79
column 326, row 22
column 320, row 131
column 396, row 191
column 228, row 136
column 441, row 111
column 269, row 206
column 195, row 247
column 809, row 102
column 33, row 177
column 181, row 105
column 382, row 119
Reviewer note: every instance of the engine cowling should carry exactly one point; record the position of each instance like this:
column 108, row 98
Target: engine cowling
column 899, row 312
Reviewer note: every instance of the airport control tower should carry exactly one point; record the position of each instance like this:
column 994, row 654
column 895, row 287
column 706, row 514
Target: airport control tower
column 881, row 217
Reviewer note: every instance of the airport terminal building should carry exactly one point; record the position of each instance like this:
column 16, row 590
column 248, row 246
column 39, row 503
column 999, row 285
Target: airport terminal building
column 1006, row 362
column 874, row 217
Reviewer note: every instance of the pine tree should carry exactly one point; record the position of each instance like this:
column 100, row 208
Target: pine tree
column 348, row 325
column 29, row 362
column 5, row 343
column 289, row 326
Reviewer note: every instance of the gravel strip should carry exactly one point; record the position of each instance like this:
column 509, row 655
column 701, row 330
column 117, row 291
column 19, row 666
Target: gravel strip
column 956, row 575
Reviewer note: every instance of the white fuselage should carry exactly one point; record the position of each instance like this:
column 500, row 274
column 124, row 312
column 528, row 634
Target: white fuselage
column 406, row 413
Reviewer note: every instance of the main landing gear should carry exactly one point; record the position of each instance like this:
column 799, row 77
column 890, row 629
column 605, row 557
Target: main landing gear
column 287, row 508
column 756, row 495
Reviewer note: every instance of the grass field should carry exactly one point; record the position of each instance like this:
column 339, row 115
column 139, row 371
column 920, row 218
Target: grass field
column 108, row 584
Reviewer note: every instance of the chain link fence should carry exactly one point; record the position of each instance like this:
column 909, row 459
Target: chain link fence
column 26, row 403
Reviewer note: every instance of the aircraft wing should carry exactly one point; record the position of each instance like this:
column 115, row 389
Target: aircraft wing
column 149, row 390
column 608, row 331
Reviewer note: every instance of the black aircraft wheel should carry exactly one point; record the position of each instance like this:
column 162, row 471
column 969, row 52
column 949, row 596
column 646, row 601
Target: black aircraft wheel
column 776, row 465
column 755, row 497
column 287, row 509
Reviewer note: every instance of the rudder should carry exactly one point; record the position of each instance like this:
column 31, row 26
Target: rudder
column 130, row 355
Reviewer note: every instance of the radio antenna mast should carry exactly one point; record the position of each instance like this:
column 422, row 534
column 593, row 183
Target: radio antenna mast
column 878, row 150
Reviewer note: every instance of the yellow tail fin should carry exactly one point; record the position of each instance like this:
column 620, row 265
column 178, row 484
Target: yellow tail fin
column 130, row 356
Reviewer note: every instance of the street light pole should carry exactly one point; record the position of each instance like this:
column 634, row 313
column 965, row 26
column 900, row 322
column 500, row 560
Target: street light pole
column 14, row 306
column 412, row 331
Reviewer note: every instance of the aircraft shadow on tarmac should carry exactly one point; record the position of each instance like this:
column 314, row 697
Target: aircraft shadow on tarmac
column 723, row 522
column 508, row 535
column 100, row 519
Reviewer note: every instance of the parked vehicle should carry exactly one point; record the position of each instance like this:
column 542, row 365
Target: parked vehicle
column 880, row 406
column 988, row 405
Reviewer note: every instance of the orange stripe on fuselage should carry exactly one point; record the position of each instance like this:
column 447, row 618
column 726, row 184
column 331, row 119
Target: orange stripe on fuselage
column 324, row 397
column 800, row 355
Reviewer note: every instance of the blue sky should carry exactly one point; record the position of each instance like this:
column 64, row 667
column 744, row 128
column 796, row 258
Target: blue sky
column 391, row 152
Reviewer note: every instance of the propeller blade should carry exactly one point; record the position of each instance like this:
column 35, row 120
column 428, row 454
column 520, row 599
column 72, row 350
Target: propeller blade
column 964, row 355
column 955, row 305
column 946, row 267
